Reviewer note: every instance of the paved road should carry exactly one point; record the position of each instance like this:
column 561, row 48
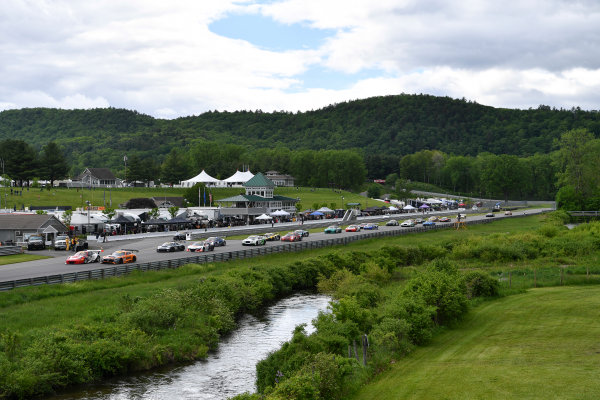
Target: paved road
column 147, row 248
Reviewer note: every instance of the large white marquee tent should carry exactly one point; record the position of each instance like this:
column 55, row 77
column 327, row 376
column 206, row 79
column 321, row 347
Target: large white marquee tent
column 202, row 177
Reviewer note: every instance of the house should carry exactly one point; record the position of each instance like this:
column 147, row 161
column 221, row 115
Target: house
column 259, row 199
column 280, row 179
column 96, row 177
column 16, row 227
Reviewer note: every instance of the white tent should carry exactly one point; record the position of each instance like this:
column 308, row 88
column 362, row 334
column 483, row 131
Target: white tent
column 263, row 217
column 409, row 207
column 238, row 179
column 280, row 213
column 392, row 208
column 202, row 177
column 325, row 210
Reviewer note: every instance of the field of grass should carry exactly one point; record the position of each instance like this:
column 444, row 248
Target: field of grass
column 105, row 197
column 17, row 258
column 541, row 344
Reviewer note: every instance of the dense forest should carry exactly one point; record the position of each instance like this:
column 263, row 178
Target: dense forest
column 381, row 129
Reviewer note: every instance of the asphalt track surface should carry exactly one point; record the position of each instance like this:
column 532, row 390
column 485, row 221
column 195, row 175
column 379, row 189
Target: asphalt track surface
column 146, row 247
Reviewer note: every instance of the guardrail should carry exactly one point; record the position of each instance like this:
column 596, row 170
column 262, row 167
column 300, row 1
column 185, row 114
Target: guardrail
column 10, row 250
column 120, row 270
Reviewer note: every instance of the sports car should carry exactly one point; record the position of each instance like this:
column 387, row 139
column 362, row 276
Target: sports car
column 333, row 229
column 272, row 236
column 433, row 219
column 200, row 247
column 371, row 227
column 120, row 257
column 84, row 257
column 408, row 223
column 507, row 212
column 301, row 232
column 170, row 246
column 392, row 222
column 444, row 219
column 291, row 237
column 353, row 228
column 216, row 241
column 419, row 221
column 254, row 240
column 180, row 236
column 428, row 223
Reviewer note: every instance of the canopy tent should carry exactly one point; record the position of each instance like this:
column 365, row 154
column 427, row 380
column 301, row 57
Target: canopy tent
column 239, row 178
column 155, row 222
column 409, row 207
column 202, row 177
column 392, row 208
column 280, row 213
column 424, row 206
column 317, row 213
column 325, row 210
column 263, row 217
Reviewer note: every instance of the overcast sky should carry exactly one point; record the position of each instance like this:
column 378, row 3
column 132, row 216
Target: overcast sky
column 184, row 57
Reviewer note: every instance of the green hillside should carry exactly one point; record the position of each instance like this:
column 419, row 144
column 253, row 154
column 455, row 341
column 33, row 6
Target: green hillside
column 538, row 345
column 383, row 128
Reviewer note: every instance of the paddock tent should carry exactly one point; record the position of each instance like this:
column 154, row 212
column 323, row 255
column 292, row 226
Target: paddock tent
column 238, row 179
column 202, row 177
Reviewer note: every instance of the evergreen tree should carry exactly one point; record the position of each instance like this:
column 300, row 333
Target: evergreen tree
column 53, row 164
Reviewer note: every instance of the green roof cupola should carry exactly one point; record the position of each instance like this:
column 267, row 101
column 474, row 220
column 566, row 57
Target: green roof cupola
column 260, row 185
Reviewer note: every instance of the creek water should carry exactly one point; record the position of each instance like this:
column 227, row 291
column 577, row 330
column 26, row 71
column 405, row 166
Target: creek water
column 226, row 372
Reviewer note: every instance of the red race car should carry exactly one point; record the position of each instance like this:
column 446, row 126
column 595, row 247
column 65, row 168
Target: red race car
column 84, row 257
column 291, row 237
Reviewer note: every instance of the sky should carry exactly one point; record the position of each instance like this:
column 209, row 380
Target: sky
column 179, row 58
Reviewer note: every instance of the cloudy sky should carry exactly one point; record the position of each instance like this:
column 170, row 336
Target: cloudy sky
column 184, row 57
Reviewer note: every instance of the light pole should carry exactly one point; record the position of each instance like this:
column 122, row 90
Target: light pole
column 88, row 212
column 125, row 161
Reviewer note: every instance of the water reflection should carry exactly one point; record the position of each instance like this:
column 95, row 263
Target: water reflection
column 225, row 373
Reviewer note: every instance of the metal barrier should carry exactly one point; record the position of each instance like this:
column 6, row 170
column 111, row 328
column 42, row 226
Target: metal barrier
column 120, row 270
column 10, row 250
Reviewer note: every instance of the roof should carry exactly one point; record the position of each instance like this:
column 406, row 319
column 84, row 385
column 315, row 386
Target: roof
column 101, row 173
column 259, row 180
column 254, row 198
column 30, row 221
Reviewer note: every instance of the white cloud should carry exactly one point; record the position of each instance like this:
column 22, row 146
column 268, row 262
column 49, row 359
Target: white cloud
column 161, row 58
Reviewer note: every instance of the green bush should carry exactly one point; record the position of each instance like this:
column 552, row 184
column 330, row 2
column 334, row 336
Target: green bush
column 481, row 284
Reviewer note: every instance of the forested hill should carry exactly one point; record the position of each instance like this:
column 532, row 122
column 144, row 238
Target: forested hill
column 395, row 125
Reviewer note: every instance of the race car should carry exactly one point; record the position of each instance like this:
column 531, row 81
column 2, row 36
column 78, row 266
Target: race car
column 353, row 228
column 120, row 257
column 254, row 240
column 302, row 232
column 272, row 236
column 291, row 237
column 216, row 241
column 84, row 257
column 200, row 247
column 171, row 246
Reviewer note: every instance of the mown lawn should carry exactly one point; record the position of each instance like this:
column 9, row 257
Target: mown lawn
column 17, row 258
column 542, row 344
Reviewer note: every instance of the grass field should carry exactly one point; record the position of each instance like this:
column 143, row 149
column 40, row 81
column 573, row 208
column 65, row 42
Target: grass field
column 17, row 258
column 105, row 197
column 542, row 344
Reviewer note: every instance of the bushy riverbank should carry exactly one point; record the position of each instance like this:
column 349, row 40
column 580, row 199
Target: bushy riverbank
column 53, row 337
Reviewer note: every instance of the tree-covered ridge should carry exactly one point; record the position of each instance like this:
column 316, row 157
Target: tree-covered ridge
column 383, row 127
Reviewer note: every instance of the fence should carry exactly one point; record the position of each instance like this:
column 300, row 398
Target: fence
column 10, row 250
column 120, row 270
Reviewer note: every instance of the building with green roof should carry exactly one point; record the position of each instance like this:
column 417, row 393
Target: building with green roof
column 259, row 199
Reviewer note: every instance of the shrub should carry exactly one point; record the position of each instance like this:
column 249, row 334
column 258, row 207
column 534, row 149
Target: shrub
column 480, row 284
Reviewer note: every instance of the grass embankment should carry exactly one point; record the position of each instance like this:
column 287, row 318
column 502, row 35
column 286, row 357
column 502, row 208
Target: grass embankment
column 104, row 197
column 541, row 344
column 17, row 258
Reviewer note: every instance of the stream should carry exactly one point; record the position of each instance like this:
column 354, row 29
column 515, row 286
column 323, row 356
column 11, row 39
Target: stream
column 226, row 372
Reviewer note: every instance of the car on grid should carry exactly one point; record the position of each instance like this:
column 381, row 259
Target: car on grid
column 120, row 257
column 272, row 236
column 216, row 241
column 84, row 257
column 291, row 237
column 200, row 247
column 254, row 240
column 392, row 222
column 170, row 247
column 353, row 228
column 333, row 229
column 408, row 223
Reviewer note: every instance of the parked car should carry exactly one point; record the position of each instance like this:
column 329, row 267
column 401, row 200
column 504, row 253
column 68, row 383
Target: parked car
column 333, row 229
column 428, row 223
column 408, row 223
column 180, row 236
column 291, row 237
column 35, row 242
column 216, row 241
column 60, row 243
column 84, row 257
column 353, row 228
column 272, row 236
column 120, row 257
column 444, row 219
column 170, row 247
column 302, row 232
column 371, row 227
column 392, row 222
column 200, row 247
column 254, row 240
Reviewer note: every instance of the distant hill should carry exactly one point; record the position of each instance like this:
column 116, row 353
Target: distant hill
column 390, row 125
